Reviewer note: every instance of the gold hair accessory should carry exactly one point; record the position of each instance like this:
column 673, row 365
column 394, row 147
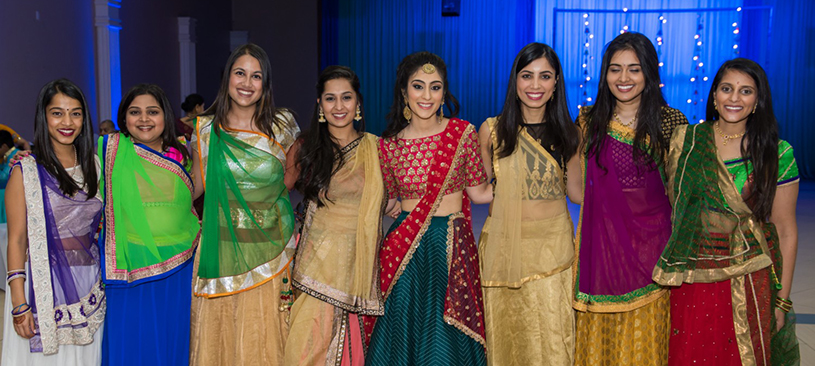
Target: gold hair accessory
column 726, row 137
column 358, row 117
column 428, row 68
column 321, row 116
column 407, row 113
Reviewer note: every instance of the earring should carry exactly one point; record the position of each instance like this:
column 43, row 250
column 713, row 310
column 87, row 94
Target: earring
column 552, row 97
column 716, row 107
column 754, row 107
column 407, row 113
column 440, row 113
column 321, row 116
column 358, row 117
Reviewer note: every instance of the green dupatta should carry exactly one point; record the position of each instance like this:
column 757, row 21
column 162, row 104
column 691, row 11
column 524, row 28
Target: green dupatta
column 715, row 236
column 149, row 225
column 248, row 219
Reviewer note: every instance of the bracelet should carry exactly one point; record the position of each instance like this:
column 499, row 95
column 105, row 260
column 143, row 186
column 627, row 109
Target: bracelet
column 15, row 276
column 783, row 304
column 18, row 312
column 13, row 271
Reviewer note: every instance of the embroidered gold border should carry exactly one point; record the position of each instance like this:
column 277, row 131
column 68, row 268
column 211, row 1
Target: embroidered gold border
column 415, row 245
column 111, row 270
column 449, row 319
column 740, row 323
column 50, row 333
column 229, row 285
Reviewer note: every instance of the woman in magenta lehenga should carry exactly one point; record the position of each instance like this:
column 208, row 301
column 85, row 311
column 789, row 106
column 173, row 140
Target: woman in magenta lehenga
column 625, row 219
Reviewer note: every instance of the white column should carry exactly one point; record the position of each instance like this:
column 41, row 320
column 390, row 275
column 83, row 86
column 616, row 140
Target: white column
column 108, row 67
column 186, row 44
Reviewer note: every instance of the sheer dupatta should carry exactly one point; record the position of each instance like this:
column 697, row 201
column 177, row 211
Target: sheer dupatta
column 625, row 223
column 248, row 220
column 336, row 257
column 65, row 290
column 150, row 227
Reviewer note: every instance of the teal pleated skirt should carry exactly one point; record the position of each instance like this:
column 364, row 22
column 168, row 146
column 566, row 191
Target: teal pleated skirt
column 413, row 331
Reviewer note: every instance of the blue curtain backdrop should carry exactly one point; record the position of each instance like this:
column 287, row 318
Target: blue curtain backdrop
column 480, row 44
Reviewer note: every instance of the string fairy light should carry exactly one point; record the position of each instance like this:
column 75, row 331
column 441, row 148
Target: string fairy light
column 659, row 40
column 586, row 78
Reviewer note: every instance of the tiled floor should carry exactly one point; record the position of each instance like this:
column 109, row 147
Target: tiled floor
column 803, row 288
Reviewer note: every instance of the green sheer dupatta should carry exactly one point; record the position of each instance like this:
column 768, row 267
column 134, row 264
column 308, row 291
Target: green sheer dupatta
column 248, row 220
column 149, row 227
column 715, row 236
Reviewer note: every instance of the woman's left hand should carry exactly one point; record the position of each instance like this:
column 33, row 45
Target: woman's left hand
column 780, row 319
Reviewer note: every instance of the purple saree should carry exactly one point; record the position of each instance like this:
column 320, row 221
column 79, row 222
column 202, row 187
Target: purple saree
column 65, row 292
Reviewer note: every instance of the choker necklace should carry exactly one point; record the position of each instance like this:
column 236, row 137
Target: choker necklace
column 631, row 122
column 726, row 137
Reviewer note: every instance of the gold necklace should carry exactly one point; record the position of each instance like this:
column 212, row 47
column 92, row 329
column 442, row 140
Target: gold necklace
column 631, row 122
column 726, row 137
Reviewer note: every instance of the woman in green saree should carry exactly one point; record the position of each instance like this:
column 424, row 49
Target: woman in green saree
column 241, row 284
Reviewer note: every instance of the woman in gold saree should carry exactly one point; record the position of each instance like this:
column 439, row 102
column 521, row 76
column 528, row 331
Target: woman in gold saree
column 241, row 282
column 734, row 185
column 527, row 244
column 335, row 265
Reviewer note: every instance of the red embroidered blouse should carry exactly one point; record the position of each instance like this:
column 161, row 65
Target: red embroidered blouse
column 405, row 164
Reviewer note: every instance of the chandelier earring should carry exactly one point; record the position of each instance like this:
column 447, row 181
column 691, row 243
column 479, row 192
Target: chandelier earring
column 407, row 113
column 440, row 112
column 358, row 117
column 321, row 115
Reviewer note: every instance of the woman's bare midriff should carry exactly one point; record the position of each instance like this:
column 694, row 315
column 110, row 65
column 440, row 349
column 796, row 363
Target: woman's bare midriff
column 449, row 204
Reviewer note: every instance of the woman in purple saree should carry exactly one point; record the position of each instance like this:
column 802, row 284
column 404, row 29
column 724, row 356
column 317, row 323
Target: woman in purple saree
column 54, row 212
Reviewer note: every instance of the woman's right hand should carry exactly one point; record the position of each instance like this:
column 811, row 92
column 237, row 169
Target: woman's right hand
column 19, row 155
column 24, row 325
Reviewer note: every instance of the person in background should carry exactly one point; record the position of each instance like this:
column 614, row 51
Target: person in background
column 625, row 220
column 193, row 106
column 527, row 244
column 106, row 127
column 734, row 187
column 7, row 150
column 19, row 141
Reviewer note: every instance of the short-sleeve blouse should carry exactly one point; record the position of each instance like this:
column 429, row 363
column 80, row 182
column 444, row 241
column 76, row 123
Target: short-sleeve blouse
column 406, row 163
column 787, row 167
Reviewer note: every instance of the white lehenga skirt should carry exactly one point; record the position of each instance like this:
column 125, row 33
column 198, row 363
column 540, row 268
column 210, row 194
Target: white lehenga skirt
column 16, row 349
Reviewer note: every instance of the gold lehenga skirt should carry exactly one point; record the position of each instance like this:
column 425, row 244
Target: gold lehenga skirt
column 637, row 337
column 532, row 325
column 246, row 328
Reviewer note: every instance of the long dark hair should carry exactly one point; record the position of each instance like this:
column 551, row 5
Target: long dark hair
column 559, row 123
column 649, row 114
column 320, row 155
column 43, row 148
column 266, row 115
column 408, row 66
column 169, row 138
column 760, row 143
